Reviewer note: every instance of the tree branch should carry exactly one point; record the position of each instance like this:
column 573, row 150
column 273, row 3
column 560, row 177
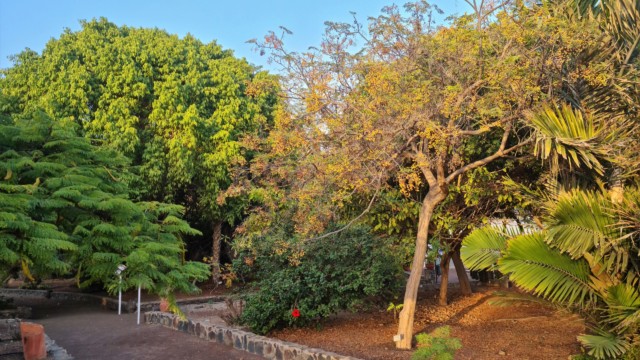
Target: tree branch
column 501, row 152
column 363, row 213
column 486, row 128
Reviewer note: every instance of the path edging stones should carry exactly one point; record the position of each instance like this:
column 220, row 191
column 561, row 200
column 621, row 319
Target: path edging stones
column 242, row 340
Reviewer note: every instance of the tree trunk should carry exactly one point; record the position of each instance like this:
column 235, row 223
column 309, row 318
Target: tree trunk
column 616, row 190
column 405, row 324
column 215, row 257
column 463, row 279
column 444, row 283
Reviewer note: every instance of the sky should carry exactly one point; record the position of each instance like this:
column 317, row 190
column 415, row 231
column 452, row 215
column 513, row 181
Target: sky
column 32, row 23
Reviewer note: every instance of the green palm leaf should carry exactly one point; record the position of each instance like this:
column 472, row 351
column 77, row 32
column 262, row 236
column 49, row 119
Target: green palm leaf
column 605, row 345
column 536, row 267
column 579, row 222
column 482, row 248
column 623, row 306
column 565, row 133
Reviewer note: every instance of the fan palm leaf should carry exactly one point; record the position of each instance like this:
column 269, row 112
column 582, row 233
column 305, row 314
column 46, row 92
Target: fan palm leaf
column 623, row 307
column 564, row 133
column 604, row 345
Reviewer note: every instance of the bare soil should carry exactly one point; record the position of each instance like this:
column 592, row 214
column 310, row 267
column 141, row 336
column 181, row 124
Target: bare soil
column 519, row 330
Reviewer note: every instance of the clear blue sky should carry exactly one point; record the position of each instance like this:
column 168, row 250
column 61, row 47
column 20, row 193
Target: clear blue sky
column 31, row 23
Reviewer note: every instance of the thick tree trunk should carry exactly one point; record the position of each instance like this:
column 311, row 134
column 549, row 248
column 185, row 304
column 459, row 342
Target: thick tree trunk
column 463, row 279
column 444, row 283
column 405, row 324
column 216, row 239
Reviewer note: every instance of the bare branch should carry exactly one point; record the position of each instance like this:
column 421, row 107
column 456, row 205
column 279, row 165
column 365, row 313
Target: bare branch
column 363, row 213
column 486, row 128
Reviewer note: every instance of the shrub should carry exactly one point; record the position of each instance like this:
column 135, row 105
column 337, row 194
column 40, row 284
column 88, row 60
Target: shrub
column 343, row 271
column 437, row 345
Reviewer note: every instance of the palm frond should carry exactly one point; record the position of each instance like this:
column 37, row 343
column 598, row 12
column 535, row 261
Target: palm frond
column 482, row 248
column 623, row 307
column 621, row 19
column 533, row 265
column 605, row 345
column 579, row 222
column 564, row 133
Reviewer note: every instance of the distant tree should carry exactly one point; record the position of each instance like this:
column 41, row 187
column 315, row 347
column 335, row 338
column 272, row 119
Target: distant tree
column 65, row 209
column 176, row 107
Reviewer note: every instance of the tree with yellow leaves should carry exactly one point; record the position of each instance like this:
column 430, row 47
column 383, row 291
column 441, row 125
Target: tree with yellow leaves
column 406, row 102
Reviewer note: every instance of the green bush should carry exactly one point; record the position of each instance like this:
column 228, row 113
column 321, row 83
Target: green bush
column 343, row 271
column 437, row 345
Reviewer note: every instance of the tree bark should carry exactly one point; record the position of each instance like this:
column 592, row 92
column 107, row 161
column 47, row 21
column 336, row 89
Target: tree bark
column 463, row 279
column 405, row 324
column 216, row 239
column 444, row 283
column 616, row 186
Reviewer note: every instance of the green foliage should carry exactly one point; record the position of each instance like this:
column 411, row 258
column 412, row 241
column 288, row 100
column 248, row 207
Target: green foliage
column 342, row 271
column 537, row 267
column 604, row 345
column 482, row 248
column 566, row 134
column 65, row 209
column 584, row 259
column 177, row 108
column 395, row 308
column 437, row 345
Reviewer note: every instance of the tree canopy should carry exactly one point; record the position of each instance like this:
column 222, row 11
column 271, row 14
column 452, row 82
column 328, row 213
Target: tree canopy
column 402, row 102
column 66, row 210
column 175, row 106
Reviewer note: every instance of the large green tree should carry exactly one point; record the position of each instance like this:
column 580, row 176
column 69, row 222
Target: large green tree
column 66, row 210
column 175, row 106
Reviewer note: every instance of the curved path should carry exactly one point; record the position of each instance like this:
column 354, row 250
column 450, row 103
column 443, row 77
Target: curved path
column 90, row 332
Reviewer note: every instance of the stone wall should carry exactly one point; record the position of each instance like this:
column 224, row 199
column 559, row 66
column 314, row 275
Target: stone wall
column 242, row 340
column 10, row 342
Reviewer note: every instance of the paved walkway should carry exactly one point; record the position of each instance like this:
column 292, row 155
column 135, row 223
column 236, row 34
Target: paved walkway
column 92, row 333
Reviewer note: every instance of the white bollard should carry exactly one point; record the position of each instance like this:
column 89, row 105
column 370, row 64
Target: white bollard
column 120, row 296
column 138, row 304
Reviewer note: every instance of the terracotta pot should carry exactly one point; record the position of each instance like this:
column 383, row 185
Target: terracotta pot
column 164, row 305
column 33, row 341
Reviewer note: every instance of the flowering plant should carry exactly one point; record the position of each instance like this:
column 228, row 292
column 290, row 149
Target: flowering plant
column 295, row 313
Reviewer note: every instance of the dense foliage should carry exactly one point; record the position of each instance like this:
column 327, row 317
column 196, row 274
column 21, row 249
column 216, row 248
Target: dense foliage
column 65, row 209
column 343, row 271
column 437, row 345
column 175, row 107
column 586, row 259
column 400, row 104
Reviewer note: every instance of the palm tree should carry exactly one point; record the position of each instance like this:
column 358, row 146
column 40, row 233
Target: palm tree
column 586, row 258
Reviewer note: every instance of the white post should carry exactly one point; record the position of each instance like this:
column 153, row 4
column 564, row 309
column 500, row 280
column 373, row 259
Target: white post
column 138, row 304
column 120, row 296
column 121, row 268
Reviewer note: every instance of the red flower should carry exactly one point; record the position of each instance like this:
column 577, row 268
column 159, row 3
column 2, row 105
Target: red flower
column 295, row 313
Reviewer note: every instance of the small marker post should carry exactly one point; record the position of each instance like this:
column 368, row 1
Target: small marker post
column 119, row 271
column 138, row 304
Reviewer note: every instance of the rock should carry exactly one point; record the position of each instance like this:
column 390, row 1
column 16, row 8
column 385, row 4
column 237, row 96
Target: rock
column 502, row 353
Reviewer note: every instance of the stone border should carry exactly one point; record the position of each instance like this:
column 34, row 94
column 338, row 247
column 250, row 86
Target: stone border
column 242, row 340
column 108, row 302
